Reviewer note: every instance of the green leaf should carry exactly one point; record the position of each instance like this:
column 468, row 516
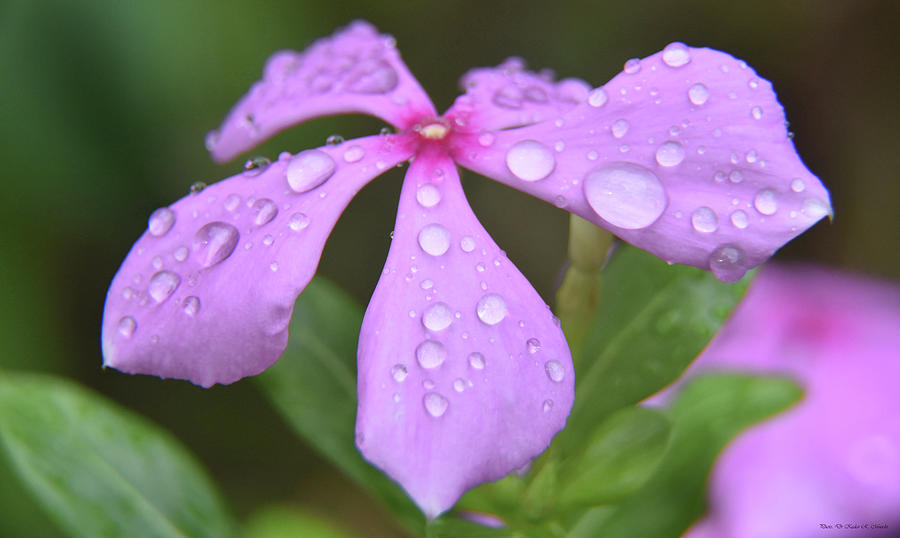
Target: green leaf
column 616, row 460
column 285, row 522
column 653, row 320
column 706, row 416
column 100, row 470
column 451, row 527
column 313, row 386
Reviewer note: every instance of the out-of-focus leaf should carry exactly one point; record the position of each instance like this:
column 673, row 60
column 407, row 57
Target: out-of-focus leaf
column 653, row 320
column 285, row 522
column 616, row 460
column 709, row 412
column 452, row 527
column 313, row 386
column 99, row 470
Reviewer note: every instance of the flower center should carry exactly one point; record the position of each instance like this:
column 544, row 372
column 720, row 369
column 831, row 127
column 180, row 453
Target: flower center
column 433, row 129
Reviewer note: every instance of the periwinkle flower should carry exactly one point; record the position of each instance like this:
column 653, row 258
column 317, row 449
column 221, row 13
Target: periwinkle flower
column 464, row 373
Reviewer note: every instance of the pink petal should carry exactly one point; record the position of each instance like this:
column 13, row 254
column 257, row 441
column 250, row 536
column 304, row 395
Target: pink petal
column 464, row 374
column 207, row 292
column 685, row 154
column 354, row 71
column 509, row 96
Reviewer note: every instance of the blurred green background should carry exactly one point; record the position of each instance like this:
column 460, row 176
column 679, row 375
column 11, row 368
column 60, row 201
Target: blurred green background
column 104, row 106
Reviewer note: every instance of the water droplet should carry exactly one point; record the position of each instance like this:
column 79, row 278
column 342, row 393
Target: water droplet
column 797, row 185
column 814, row 208
column 298, row 221
column 268, row 240
column 438, row 317
column 752, row 156
column 736, row 176
column 427, row 284
column 619, row 128
column 160, row 221
column 428, row 384
column 727, row 263
column 529, row 160
column 739, row 219
column 491, row 309
column 766, row 202
column 698, row 94
column 197, row 187
column 434, row 239
column 459, row 385
column 162, row 285
column 626, row 195
column 476, row 361
column 592, row 155
column 214, row 242
column 435, row 404
column 547, row 406
column 255, row 166
column 704, row 220
column 232, row 201
column 676, row 55
column 265, row 210
column 354, row 154
column 127, row 326
column 670, row 153
column 486, row 139
column 430, row 354
column 756, row 112
column 273, row 266
column 373, row 77
column 597, row 98
column 554, row 370
column 399, row 372
column 632, row 66
column 191, row 305
column 509, row 96
column 533, row 345
column 156, row 262
column 180, row 254
column 309, row 169
column 428, row 195
column 334, row 140
column 467, row 244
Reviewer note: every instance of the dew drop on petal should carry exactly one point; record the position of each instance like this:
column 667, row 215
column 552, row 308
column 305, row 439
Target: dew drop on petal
column 162, row 285
column 127, row 326
column 626, row 195
column 354, row 154
column 547, row 406
column 486, row 139
column 467, row 244
column 632, row 66
column 533, row 345
column 373, row 77
column 334, row 140
column 670, row 153
column 438, row 317
column 555, row 370
column 232, row 201
column 739, row 219
column 435, row 404
column 676, row 55
column 197, row 187
column 427, row 284
column 529, row 160
column 191, row 305
column 476, row 361
column 214, row 242
column 704, row 220
column 265, row 210
column 255, row 166
column 309, row 169
column 160, row 221
column 597, row 98
column 619, row 128
column 298, row 221
column 814, row 208
column 756, row 112
column 459, row 385
column 698, row 93
column 766, row 202
column 727, row 263
column 491, row 309
column 428, row 195
column 434, row 239
column 797, row 185
column 399, row 372
column 430, row 354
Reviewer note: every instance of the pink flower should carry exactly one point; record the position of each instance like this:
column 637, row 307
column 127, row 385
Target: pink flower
column 834, row 458
column 464, row 373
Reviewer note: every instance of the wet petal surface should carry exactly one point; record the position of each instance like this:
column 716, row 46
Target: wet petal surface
column 354, row 71
column 206, row 293
column 684, row 154
column 464, row 374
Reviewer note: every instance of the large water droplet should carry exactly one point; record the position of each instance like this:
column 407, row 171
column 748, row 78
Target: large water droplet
column 727, row 263
column 191, row 305
column 438, row 317
column 430, row 354
column 434, row 239
column 265, row 210
column 435, row 404
column 626, row 195
column 739, row 219
column 529, row 160
column 704, row 220
column 428, row 195
column 309, row 169
column 399, row 372
column 476, row 361
column 698, row 93
column 597, row 98
column 162, row 285
column 160, row 221
column 215, row 242
column 766, row 202
column 670, row 153
column 676, row 55
column 814, row 208
column 127, row 326
column 491, row 309
column 373, row 77
column 298, row 221
column 619, row 128
column 555, row 370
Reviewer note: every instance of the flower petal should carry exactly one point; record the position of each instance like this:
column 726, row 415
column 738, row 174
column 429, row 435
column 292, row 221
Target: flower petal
column 464, row 374
column 354, row 71
column 509, row 96
column 685, row 154
column 207, row 292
